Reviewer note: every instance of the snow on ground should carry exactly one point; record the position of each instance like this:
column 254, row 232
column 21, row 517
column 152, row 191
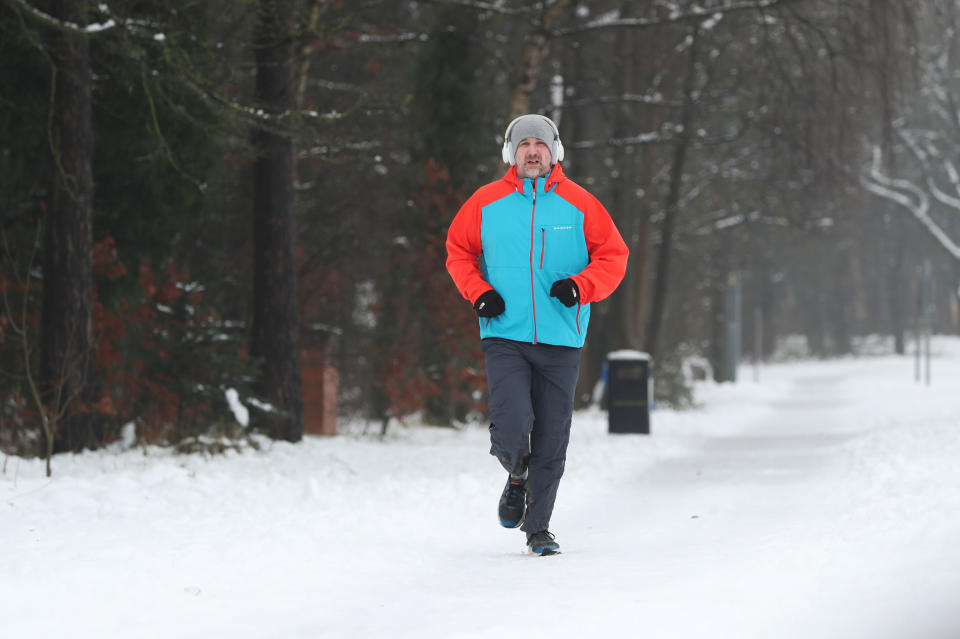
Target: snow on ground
column 821, row 501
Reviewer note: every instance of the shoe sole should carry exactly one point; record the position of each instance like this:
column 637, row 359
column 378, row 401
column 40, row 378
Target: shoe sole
column 544, row 552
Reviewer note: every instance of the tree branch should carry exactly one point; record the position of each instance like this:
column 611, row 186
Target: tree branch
column 675, row 17
column 63, row 25
column 897, row 191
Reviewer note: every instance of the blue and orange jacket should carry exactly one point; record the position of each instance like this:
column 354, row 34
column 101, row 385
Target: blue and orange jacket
column 520, row 235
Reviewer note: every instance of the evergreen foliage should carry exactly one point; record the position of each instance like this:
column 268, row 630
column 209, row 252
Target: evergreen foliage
column 396, row 114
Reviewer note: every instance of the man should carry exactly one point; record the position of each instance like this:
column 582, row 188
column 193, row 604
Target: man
column 531, row 252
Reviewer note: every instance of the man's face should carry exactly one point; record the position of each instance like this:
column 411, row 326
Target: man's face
column 533, row 158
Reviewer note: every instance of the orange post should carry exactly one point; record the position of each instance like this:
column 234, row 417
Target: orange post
column 320, row 380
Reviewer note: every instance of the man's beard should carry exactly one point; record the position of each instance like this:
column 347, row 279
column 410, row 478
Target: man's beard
column 541, row 170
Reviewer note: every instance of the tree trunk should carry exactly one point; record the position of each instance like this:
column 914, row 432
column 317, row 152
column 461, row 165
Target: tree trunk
column 531, row 60
column 896, row 298
column 576, row 123
column 623, row 199
column 275, row 317
column 67, row 343
column 658, row 305
column 636, row 166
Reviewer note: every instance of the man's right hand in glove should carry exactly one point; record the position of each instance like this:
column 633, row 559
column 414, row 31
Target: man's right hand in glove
column 490, row 304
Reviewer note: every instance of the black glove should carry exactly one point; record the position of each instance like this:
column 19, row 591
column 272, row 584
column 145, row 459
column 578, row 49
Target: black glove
column 490, row 304
column 566, row 291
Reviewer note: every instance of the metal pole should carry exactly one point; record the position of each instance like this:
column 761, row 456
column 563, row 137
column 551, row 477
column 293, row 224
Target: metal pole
column 928, row 315
column 731, row 312
column 757, row 342
column 919, row 326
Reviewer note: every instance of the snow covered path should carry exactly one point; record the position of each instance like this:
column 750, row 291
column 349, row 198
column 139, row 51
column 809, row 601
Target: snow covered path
column 762, row 530
column 821, row 502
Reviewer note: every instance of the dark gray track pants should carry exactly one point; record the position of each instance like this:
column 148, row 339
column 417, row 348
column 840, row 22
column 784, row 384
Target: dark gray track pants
column 531, row 406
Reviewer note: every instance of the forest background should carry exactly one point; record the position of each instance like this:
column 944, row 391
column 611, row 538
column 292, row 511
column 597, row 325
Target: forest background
column 200, row 198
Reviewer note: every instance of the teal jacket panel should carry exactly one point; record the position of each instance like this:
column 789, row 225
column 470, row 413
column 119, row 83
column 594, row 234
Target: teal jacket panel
column 531, row 239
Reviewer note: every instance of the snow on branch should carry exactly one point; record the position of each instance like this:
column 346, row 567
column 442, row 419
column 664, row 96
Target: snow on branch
column 940, row 196
column 653, row 137
column 368, row 38
column 495, row 7
column 65, row 25
column 335, row 86
column 910, row 197
column 923, row 145
column 669, row 133
column 710, row 14
column 264, row 116
column 111, row 20
column 650, row 99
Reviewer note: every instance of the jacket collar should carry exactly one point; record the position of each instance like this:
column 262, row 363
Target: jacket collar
column 555, row 177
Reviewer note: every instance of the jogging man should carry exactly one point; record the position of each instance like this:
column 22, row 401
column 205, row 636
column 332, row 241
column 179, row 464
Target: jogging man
column 531, row 251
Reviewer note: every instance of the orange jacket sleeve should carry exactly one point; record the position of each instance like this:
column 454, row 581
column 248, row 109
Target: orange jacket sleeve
column 464, row 250
column 606, row 248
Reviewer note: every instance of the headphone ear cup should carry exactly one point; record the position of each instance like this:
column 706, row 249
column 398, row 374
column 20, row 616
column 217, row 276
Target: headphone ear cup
column 506, row 152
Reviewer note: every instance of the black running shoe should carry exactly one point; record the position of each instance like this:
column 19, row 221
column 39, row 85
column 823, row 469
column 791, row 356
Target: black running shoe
column 513, row 503
column 542, row 543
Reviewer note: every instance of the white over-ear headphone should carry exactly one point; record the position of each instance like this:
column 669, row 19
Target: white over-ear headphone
column 509, row 152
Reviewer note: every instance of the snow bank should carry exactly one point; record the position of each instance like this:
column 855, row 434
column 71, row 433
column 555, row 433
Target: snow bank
column 820, row 501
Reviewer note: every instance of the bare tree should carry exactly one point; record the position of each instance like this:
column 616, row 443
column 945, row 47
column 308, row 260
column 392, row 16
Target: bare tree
column 914, row 164
column 681, row 147
column 275, row 316
column 532, row 57
column 54, row 404
column 67, row 342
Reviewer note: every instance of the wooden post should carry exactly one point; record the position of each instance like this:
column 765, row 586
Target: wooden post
column 320, row 385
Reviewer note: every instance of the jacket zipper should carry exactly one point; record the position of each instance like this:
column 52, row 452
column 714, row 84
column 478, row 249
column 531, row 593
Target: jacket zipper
column 533, row 290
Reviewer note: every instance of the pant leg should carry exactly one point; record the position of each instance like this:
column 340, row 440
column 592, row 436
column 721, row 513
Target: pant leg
column 554, row 380
column 511, row 410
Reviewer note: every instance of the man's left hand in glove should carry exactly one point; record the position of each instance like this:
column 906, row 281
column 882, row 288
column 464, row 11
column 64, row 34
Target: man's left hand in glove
column 566, row 291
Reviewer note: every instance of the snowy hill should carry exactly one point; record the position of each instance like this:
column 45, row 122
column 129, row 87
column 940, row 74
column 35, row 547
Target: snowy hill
column 821, row 501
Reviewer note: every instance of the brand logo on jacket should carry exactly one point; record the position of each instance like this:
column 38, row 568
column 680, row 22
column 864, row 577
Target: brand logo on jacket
column 563, row 228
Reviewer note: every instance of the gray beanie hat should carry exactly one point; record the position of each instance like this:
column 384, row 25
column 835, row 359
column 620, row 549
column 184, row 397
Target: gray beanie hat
column 532, row 125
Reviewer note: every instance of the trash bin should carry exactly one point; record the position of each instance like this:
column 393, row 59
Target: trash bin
column 629, row 392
